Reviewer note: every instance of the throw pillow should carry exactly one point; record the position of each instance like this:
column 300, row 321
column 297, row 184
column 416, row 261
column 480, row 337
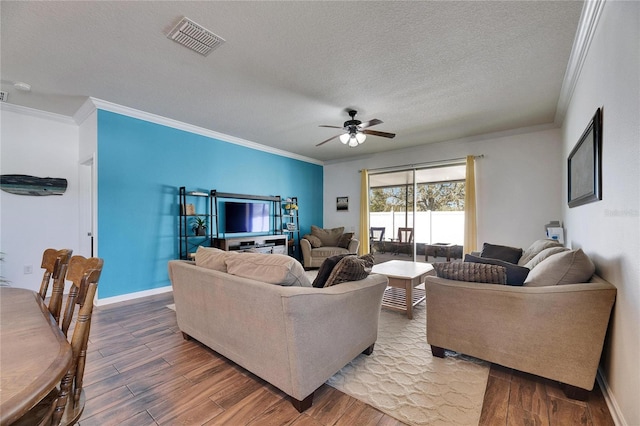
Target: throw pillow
column 270, row 268
column 212, row 258
column 515, row 274
column 568, row 267
column 345, row 239
column 536, row 248
column 325, row 269
column 471, row 272
column 313, row 240
column 506, row 253
column 543, row 255
column 329, row 237
column 350, row 268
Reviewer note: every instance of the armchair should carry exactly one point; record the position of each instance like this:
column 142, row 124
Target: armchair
column 324, row 243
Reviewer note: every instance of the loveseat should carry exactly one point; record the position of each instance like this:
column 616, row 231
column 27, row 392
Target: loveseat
column 324, row 243
column 292, row 335
column 553, row 326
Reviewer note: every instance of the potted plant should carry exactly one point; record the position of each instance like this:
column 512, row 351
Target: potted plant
column 199, row 226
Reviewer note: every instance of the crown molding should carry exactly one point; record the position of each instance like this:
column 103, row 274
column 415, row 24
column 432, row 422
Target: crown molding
column 95, row 103
column 591, row 12
column 36, row 113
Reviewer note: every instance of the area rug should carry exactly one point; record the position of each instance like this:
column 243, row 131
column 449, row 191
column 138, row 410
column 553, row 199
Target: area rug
column 402, row 379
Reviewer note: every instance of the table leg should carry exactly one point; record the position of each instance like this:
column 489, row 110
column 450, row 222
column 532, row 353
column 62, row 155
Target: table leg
column 409, row 298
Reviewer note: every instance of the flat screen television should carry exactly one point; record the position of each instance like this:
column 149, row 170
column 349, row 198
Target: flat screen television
column 246, row 217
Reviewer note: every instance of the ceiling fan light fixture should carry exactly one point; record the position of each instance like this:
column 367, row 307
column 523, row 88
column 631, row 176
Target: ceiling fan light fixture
column 344, row 138
column 353, row 141
column 360, row 137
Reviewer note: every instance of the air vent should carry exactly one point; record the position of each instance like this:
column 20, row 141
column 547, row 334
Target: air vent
column 195, row 37
column 4, row 96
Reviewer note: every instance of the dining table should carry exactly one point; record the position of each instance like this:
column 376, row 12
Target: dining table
column 34, row 353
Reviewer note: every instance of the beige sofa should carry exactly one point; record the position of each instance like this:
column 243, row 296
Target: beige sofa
column 293, row 337
column 553, row 331
column 324, row 243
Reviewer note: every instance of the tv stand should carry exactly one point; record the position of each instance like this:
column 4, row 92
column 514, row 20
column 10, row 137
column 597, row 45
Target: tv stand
column 271, row 244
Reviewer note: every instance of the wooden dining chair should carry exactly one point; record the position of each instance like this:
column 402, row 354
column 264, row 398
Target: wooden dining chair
column 78, row 267
column 54, row 263
column 65, row 404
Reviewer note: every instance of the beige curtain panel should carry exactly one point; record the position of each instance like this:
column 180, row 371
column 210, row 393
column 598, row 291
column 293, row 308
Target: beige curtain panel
column 364, row 213
column 470, row 227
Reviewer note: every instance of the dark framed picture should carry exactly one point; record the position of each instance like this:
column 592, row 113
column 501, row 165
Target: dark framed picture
column 585, row 165
column 342, row 204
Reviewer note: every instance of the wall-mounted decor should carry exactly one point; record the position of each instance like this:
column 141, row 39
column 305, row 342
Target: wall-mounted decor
column 585, row 165
column 32, row 185
column 342, row 204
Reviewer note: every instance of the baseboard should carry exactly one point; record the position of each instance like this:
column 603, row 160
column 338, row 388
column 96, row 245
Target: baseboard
column 131, row 296
column 614, row 409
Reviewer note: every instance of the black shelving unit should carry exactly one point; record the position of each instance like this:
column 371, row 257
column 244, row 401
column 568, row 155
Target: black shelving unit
column 291, row 225
column 204, row 206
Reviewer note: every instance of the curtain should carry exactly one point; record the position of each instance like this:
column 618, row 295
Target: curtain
column 470, row 230
column 364, row 213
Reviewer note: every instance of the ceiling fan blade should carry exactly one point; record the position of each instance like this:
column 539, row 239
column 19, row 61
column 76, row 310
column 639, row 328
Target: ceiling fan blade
column 331, row 127
column 330, row 139
column 370, row 123
column 376, row 133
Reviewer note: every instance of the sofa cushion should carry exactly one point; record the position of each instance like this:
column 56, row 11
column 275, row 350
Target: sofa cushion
column 313, row 240
column 536, row 248
column 345, row 239
column 568, row 267
column 506, row 253
column 329, row 237
column 212, row 258
column 515, row 274
column 325, row 269
column 543, row 255
column 471, row 272
column 270, row 268
column 350, row 268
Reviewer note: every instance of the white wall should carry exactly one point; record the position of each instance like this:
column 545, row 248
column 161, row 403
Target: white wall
column 609, row 230
column 43, row 145
column 518, row 183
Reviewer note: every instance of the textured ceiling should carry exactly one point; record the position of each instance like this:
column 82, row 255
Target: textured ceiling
column 431, row 71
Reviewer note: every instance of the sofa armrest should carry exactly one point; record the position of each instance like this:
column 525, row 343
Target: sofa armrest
column 555, row 332
column 353, row 245
column 329, row 327
column 305, row 248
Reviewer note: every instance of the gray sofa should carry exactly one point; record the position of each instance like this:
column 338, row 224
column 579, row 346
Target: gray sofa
column 293, row 337
column 553, row 326
column 324, row 243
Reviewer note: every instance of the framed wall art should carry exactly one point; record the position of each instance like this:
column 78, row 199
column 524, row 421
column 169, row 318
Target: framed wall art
column 585, row 165
column 342, row 204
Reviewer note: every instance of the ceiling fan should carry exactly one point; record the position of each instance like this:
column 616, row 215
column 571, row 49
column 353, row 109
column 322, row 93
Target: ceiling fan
column 355, row 131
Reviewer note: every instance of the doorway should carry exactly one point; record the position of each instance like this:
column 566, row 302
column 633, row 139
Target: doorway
column 428, row 202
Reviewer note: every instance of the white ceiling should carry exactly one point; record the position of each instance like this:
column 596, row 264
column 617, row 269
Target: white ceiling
column 431, row 71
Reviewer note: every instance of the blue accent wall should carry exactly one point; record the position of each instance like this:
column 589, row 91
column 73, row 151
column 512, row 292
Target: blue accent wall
column 141, row 165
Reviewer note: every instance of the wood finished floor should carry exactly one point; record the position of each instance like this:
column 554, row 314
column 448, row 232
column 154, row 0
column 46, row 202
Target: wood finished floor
column 140, row 371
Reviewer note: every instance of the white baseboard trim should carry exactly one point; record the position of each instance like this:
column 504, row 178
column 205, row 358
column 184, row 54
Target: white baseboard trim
column 131, row 296
column 614, row 409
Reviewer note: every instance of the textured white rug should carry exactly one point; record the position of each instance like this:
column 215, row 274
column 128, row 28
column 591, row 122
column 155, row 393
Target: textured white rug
column 403, row 380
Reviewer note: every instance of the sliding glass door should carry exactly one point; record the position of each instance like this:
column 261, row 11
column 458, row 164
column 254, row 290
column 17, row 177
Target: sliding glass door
column 417, row 208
